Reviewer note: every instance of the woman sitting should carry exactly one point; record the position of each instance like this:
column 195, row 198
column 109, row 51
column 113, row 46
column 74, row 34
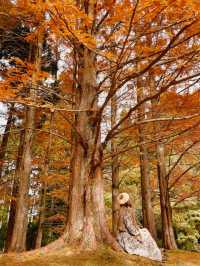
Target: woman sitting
column 132, row 238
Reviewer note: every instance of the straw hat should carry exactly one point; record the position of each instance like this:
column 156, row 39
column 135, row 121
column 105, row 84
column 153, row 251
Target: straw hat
column 123, row 198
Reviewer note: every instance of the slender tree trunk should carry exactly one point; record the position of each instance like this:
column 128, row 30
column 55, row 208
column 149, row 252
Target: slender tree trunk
column 4, row 142
column 14, row 193
column 41, row 219
column 168, row 236
column 18, row 241
column 5, row 138
column 147, row 208
column 146, row 190
column 115, row 170
column 43, row 190
column 169, row 241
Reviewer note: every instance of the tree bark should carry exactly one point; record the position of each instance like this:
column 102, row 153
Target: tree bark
column 168, row 236
column 146, row 190
column 3, row 148
column 14, row 193
column 80, row 224
column 115, row 170
column 5, row 138
column 83, row 227
column 45, row 171
column 169, row 241
column 18, row 241
column 38, row 242
column 86, row 217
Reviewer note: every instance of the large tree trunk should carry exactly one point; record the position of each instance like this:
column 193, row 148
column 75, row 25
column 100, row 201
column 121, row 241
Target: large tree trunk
column 115, row 169
column 169, row 241
column 86, row 218
column 79, row 194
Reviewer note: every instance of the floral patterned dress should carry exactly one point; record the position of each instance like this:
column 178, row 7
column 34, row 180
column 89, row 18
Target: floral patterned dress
column 135, row 240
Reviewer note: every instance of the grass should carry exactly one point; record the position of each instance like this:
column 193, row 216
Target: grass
column 101, row 257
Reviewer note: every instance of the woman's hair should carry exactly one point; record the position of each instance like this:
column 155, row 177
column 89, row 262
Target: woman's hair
column 127, row 204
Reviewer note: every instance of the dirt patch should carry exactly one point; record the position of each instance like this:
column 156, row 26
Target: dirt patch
column 102, row 257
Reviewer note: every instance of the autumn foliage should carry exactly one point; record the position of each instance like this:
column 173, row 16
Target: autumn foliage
column 98, row 97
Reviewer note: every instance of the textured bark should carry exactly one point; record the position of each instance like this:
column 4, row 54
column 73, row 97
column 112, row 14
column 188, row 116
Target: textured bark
column 3, row 149
column 169, row 241
column 115, row 169
column 86, row 218
column 146, row 190
column 45, row 171
column 38, row 242
column 80, row 217
column 5, row 138
column 14, row 193
column 18, row 241
column 147, row 209
column 82, row 227
column 168, row 236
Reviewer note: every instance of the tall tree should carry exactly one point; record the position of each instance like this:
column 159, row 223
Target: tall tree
column 43, row 192
column 14, row 193
column 146, row 189
column 86, row 30
column 5, row 138
column 18, row 241
column 169, row 241
column 115, row 169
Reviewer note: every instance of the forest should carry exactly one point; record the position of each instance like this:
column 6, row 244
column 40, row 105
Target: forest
column 98, row 98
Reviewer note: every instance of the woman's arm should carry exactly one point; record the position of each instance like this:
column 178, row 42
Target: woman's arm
column 131, row 227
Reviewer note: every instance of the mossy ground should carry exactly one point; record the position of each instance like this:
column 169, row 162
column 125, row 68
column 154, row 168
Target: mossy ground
column 102, row 257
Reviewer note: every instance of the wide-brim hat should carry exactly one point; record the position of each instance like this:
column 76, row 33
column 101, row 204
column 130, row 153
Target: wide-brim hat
column 123, row 198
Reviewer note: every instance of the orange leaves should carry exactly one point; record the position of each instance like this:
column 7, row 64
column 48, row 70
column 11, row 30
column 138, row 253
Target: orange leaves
column 109, row 56
column 58, row 184
column 180, row 104
column 60, row 17
column 66, row 82
column 23, row 71
column 191, row 4
column 64, row 17
column 6, row 92
column 56, row 217
column 53, row 179
column 58, row 164
column 85, row 38
column 68, row 10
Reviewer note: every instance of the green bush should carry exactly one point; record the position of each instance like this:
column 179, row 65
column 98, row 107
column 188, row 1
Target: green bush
column 186, row 228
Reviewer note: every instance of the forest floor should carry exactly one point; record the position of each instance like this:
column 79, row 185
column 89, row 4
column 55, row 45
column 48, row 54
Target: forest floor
column 103, row 257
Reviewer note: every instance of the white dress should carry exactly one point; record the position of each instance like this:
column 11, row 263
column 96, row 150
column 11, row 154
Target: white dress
column 138, row 241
